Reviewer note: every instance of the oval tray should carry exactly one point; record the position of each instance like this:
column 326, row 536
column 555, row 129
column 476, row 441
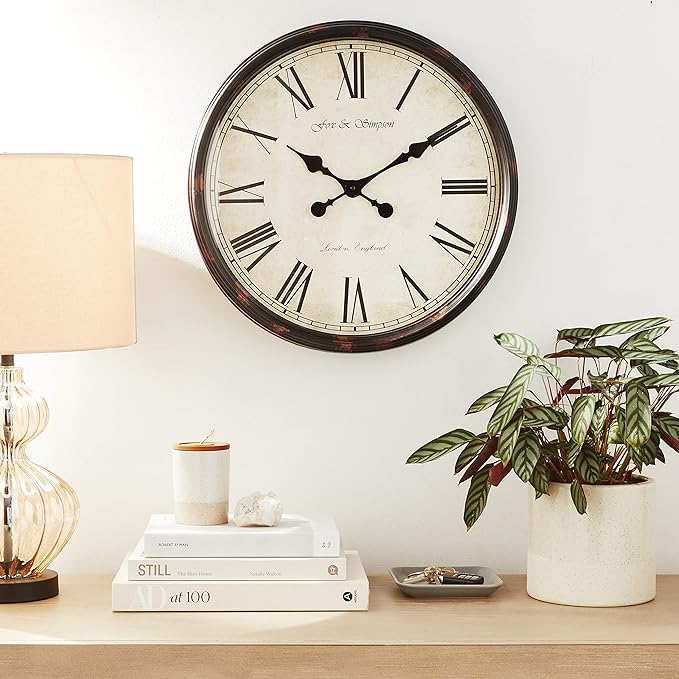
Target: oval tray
column 423, row 590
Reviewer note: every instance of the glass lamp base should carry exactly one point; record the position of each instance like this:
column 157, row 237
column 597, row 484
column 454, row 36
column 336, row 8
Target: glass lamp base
column 36, row 588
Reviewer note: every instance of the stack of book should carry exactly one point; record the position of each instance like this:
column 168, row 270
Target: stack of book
column 298, row 565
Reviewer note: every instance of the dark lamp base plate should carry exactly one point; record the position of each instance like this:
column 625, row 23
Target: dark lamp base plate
column 20, row 590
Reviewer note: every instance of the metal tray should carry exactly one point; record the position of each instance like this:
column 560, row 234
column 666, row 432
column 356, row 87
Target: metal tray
column 423, row 590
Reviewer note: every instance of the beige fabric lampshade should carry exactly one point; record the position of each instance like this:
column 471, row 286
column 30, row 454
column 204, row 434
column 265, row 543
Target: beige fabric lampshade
column 66, row 253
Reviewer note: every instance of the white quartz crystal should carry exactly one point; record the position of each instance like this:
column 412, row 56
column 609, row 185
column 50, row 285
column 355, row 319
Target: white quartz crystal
column 258, row 509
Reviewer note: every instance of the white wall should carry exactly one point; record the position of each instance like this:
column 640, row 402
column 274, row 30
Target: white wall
column 589, row 92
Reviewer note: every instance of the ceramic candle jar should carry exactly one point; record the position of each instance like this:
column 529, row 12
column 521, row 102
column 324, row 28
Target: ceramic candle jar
column 200, row 474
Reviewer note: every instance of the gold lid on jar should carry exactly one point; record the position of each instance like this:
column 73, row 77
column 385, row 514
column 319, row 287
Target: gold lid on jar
column 202, row 446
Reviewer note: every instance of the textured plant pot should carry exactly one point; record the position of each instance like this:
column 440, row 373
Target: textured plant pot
column 605, row 557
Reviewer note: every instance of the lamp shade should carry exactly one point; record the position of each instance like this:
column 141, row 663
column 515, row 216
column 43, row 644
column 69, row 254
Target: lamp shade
column 66, row 253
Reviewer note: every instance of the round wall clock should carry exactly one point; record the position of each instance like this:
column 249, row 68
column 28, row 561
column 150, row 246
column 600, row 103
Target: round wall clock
column 353, row 186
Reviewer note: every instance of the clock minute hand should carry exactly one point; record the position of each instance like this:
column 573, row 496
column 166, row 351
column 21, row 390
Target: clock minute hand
column 414, row 151
column 417, row 149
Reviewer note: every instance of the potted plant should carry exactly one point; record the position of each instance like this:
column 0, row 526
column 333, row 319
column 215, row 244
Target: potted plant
column 582, row 442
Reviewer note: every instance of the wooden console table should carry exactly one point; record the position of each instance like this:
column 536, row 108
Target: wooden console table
column 508, row 635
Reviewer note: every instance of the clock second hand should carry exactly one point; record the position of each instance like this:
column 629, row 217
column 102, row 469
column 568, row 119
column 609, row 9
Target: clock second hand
column 319, row 208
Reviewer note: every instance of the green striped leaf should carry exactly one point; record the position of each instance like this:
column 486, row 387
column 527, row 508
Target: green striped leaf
column 598, row 419
column 668, row 425
column 578, row 496
column 587, row 465
column 648, row 453
column 511, row 399
column 648, row 356
column 637, row 415
column 545, row 416
column 508, row 437
column 572, row 451
column 545, row 367
column 646, row 370
column 440, row 446
column 517, row 344
column 644, row 335
column 477, row 496
column 592, row 352
column 625, row 327
column 581, row 417
column 539, row 479
column 526, row 455
column 574, row 334
column 657, row 381
column 469, row 452
column 616, row 434
column 488, row 399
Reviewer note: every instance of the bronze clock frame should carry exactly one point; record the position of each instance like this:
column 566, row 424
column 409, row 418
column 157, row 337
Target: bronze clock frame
column 507, row 183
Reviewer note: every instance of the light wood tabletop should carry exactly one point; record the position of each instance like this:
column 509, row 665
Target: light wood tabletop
column 506, row 635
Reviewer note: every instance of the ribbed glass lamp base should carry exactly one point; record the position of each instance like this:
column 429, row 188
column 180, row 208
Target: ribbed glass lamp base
column 35, row 588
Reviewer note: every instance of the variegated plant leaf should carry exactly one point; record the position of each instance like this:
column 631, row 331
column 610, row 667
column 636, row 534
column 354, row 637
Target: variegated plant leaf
column 545, row 416
column 626, row 327
column 648, row 453
column 598, row 419
column 581, row 417
column 587, row 465
column 667, row 424
column 648, row 356
column 574, row 335
column 509, row 436
column 616, row 434
column 593, row 352
column 572, row 451
column 545, row 367
column 526, row 455
column 490, row 398
column 511, row 399
column 578, row 496
column 477, row 496
column 637, row 415
column 650, row 335
column 657, row 381
column 645, row 369
column 539, row 479
column 440, row 446
column 517, row 344
column 469, row 452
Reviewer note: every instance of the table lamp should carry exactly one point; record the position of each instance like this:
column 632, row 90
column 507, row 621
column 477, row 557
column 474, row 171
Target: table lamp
column 66, row 284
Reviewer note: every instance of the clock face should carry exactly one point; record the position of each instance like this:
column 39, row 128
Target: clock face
column 353, row 187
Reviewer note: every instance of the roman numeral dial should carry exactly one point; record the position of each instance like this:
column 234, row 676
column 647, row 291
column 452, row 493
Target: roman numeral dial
column 241, row 194
column 260, row 241
column 353, row 74
column 353, row 301
column 298, row 94
column 293, row 291
column 452, row 243
column 458, row 187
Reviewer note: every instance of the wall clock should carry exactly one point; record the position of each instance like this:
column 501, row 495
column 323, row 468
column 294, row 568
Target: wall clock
column 353, row 186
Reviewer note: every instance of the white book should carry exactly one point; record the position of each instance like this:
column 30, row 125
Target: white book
column 351, row 594
column 141, row 567
column 294, row 536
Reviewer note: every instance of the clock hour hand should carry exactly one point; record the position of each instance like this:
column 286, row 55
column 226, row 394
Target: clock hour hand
column 315, row 164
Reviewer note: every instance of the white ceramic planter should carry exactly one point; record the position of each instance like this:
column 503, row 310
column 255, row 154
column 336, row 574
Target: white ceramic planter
column 605, row 557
